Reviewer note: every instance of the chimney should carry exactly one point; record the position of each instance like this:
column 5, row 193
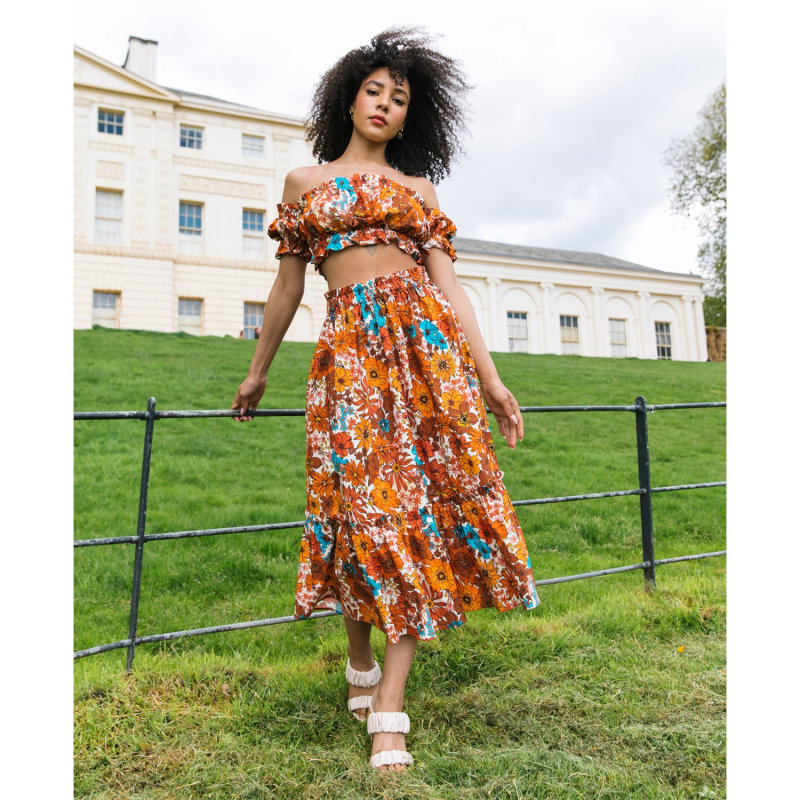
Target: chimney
column 141, row 58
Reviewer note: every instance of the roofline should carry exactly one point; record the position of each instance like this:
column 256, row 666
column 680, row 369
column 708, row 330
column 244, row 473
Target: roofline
column 122, row 72
column 477, row 247
column 188, row 99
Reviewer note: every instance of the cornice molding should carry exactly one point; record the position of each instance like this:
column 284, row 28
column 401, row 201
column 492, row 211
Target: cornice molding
column 168, row 254
column 200, row 183
column 223, row 166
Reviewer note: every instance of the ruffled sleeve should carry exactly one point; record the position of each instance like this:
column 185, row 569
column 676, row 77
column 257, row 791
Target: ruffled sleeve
column 286, row 230
column 439, row 232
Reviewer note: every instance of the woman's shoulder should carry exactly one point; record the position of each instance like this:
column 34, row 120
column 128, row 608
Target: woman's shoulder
column 423, row 187
column 300, row 180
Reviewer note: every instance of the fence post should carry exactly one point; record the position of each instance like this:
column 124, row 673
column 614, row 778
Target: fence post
column 646, row 498
column 140, row 527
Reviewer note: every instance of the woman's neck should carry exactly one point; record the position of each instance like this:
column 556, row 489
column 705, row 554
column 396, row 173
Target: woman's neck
column 361, row 151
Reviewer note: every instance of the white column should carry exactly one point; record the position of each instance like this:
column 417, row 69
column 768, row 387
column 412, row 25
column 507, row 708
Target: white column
column 690, row 333
column 598, row 347
column 647, row 347
column 493, row 340
column 702, row 342
column 545, row 328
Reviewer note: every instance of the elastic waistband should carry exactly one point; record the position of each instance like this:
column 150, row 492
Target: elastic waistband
column 382, row 282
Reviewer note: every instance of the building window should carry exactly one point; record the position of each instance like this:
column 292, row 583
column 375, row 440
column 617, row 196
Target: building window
column 191, row 137
column 190, row 227
column 517, row 331
column 252, row 233
column 618, row 335
column 105, row 309
column 252, row 146
column 190, row 315
column 109, row 121
column 107, row 216
column 253, row 317
column 664, row 340
column 570, row 338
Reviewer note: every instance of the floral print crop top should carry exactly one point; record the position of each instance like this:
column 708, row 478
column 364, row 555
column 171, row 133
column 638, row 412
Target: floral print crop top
column 360, row 210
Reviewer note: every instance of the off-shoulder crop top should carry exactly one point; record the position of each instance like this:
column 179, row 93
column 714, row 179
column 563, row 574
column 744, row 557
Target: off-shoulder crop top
column 360, row 210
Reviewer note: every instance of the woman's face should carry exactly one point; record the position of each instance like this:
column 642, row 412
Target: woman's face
column 381, row 106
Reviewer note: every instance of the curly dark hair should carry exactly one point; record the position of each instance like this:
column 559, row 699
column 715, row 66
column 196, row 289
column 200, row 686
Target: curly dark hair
column 436, row 116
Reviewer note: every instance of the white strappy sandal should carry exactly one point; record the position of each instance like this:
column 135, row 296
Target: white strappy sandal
column 389, row 722
column 363, row 680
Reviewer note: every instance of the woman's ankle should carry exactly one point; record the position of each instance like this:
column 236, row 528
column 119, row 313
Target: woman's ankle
column 361, row 660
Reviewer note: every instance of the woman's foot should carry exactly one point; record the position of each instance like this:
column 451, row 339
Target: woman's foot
column 363, row 676
column 384, row 741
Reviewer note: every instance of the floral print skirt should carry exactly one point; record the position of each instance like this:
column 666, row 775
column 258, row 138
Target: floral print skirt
column 408, row 524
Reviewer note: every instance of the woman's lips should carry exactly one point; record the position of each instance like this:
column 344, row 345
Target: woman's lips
column 377, row 118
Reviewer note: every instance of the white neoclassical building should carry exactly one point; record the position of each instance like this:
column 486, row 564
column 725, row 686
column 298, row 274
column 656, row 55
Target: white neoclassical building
column 174, row 192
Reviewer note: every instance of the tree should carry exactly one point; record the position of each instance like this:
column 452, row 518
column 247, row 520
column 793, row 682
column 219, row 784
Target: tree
column 699, row 191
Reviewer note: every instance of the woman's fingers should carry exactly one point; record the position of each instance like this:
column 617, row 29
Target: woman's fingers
column 242, row 405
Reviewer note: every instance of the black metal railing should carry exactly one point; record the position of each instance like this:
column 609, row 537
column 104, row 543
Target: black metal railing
column 644, row 491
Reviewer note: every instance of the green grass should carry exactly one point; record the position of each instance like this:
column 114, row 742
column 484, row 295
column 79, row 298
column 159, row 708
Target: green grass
column 605, row 690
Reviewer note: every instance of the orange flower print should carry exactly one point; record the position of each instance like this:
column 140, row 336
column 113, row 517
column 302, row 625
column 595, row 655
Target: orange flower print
column 465, row 416
column 342, row 379
column 363, row 546
column 363, row 433
column 377, row 374
column 470, row 464
column 316, row 419
column 440, row 576
column 342, row 444
column 451, row 400
column 322, row 483
column 433, row 309
column 402, row 470
column 472, row 512
column 383, row 561
column 384, row 496
column 443, row 366
column 344, row 339
column 423, row 401
column 470, row 598
column 353, row 473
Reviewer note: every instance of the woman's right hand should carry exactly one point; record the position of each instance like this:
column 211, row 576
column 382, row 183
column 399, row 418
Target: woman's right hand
column 248, row 396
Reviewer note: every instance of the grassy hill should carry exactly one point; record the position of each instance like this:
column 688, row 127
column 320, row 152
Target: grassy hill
column 604, row 691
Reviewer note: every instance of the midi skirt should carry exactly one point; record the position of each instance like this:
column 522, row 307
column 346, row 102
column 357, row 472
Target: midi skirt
column 408, row 524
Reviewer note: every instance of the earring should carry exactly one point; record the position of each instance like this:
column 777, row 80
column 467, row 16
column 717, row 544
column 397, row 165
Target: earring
column 400, row 134
column 351, row 113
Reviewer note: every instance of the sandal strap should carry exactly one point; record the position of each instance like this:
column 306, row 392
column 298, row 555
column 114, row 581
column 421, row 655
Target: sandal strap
column 388, row 722
column 364, row 680
column 362, row 701
column 386, row 757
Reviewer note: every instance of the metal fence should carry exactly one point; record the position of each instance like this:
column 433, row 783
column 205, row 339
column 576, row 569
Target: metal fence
column 644, row 491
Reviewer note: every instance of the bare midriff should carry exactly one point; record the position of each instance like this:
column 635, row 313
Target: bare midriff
column 357, row 264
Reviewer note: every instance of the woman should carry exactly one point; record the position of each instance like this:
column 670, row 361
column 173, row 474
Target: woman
column 408, row 524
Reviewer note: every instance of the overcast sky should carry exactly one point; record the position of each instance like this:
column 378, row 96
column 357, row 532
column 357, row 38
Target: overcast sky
column 574, row 103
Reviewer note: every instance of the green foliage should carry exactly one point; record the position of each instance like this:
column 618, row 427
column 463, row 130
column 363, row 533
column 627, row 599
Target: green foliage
column 605, row 690
column 699, row 191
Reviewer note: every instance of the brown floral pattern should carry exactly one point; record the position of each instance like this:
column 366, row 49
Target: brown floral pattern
column 360, row 210
column 408, row 524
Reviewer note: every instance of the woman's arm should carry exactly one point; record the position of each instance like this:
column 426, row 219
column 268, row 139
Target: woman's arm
column 279, row 310
column 281, row 306
column 501, row 402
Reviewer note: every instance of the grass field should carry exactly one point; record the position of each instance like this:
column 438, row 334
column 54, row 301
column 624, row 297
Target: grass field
column 605, row 690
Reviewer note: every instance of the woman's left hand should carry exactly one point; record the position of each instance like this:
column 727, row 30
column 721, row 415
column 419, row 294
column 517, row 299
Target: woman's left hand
column 506, row 411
